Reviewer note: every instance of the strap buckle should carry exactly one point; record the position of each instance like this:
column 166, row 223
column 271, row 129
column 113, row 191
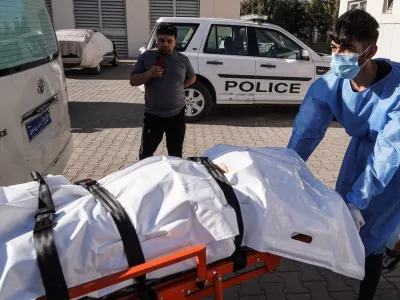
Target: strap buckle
column 44, row 219
column 44, row 216
column 86, row 183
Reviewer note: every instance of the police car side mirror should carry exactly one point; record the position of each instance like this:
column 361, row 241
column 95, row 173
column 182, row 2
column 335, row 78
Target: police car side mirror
column 305, row 55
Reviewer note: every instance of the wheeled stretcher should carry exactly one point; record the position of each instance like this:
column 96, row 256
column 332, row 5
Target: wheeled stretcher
column 205, row 280
column 176, row 226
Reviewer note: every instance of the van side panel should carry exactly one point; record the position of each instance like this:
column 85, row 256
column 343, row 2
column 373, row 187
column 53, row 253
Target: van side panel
column 34, row 115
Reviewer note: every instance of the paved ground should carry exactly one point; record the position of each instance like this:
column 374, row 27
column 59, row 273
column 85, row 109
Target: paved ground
column 106, row 120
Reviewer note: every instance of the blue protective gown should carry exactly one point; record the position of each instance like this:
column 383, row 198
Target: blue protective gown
column 370, row 174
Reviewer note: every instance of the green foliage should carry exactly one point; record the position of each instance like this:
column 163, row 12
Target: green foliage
column 296, row 16
column 322, row 47
column 322, row 13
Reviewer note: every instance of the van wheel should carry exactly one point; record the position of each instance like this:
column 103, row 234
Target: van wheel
column 96, row 71
column 198, row 102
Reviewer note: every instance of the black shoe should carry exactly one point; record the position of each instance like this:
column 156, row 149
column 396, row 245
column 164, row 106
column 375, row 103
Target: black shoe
column 389, row 262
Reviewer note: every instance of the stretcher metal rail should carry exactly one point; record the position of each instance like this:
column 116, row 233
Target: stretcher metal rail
column 206, row 280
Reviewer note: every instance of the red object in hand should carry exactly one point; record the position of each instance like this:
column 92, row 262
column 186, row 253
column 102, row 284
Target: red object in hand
column 160, row 62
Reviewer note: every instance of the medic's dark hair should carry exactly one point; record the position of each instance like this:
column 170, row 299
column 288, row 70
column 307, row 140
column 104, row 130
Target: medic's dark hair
column 357, row 25
column 167, row 29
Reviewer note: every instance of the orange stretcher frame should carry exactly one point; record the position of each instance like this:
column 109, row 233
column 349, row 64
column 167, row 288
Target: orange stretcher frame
column 187, row 286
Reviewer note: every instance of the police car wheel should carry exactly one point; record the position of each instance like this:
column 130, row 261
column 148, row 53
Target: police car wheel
column 198, row 102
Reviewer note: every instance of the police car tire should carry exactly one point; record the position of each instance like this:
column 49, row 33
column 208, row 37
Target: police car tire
column 203, row 90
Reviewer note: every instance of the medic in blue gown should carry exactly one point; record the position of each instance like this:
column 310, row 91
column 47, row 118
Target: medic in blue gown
column 363, row 94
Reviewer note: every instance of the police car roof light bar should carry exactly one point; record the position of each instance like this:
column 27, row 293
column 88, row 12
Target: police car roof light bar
column 255, row 18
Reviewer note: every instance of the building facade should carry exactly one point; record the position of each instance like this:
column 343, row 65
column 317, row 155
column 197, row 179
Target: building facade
column 128, row 22
column 387, row 13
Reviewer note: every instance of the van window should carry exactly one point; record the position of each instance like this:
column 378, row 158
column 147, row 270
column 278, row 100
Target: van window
column 185, row 35
column 27, row 37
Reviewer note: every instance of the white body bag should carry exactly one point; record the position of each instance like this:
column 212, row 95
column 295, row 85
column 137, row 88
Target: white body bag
column 175, row 204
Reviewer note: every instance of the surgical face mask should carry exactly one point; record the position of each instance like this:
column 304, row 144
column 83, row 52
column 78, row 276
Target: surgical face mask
column 345, row 65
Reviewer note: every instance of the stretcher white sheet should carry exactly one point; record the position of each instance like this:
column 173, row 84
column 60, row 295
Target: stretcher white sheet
column 175, row 204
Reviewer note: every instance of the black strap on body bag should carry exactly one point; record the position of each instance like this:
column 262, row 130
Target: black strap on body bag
column 239, row 257
column 45, row 247
column 127, row 231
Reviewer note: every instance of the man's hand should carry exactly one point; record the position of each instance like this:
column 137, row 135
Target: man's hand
column 156, row 72
column 189, row 82
column 357, row 216
column 139, row 79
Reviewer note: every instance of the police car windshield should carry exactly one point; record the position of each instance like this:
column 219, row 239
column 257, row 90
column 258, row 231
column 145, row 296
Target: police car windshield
column 27, row 37
column 185, row 35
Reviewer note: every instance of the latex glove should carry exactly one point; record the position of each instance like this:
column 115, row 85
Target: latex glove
column 357, row 216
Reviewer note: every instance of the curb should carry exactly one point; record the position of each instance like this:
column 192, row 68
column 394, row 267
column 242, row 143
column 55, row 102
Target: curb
column 127, row 62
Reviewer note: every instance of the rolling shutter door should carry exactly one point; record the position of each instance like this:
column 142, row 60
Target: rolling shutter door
column 87, row 14
column 113, row 17
column 106, row 16
column 160, row 8
column 187, row 8
column 49, row 8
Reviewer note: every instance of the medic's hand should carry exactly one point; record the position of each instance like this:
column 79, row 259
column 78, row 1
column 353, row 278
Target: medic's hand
column 357, row 216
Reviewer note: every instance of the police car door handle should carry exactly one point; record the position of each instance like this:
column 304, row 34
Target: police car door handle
column 269, row 66
column 215, row 62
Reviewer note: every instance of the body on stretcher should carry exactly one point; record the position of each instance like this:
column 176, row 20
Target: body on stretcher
column 175, row 204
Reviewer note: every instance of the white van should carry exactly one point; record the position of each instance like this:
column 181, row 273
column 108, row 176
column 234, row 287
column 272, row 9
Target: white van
column 35, row 129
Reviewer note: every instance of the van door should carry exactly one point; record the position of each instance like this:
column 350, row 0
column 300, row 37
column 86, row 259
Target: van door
column 226, row 62
column 283, row 75
column 33, row 102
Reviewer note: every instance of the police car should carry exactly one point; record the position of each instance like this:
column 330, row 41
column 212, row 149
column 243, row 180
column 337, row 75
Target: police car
column 243, row 61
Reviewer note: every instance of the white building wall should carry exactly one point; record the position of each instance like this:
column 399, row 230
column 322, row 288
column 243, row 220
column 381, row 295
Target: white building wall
column 226, row 9
column 389, row 31
column 63, row 14
column 138, row 17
